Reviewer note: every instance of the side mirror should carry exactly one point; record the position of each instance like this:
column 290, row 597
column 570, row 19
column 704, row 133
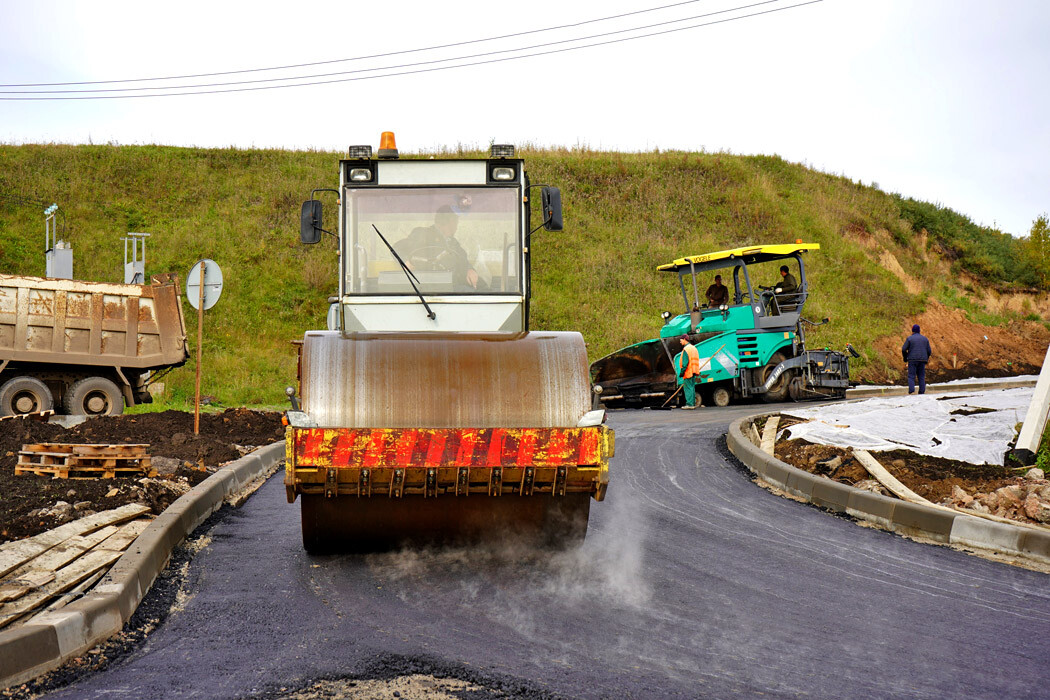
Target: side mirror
column 550, row 200
column 310, row 222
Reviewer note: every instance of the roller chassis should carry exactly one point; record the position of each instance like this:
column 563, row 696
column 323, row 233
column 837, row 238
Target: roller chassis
column 439, row 462
column 389, row 486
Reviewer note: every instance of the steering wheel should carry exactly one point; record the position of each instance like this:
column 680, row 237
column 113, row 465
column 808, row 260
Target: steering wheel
column 430, row 257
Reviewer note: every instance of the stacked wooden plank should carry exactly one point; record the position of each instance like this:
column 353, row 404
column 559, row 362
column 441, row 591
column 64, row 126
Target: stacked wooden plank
column 38, row 416
column 84, row 461
column 51, row 569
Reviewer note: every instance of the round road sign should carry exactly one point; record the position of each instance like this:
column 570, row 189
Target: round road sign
column 212, row 284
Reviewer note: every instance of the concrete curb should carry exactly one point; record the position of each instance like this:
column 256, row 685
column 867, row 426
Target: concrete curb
column 53, row 638
column 890, row 513
column 866, row 392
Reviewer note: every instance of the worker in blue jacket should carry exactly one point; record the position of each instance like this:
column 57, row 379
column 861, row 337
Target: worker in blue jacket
column 917, row 352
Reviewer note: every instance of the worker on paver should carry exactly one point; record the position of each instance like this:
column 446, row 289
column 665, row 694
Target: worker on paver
column 917, row 352
column 717, row 293
column 787, row 285
column 687, row 363
column 783, row 292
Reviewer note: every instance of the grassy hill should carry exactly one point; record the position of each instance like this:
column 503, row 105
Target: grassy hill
column 882, row 257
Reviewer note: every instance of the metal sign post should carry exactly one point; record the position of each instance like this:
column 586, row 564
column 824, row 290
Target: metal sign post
column 135, row 267
column 203, row 287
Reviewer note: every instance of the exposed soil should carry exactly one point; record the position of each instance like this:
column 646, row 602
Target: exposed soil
column 30, row 503
column 942, row 481
column 963, row 349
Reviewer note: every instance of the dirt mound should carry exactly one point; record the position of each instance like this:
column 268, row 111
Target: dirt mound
column 30, row 503
column 963, row 349
column 930, row 477
column 991, row 489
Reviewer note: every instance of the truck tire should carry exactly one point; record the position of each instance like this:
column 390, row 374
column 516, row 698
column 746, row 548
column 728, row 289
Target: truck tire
column 94, row 396
column 24, row 395
column 779, row 391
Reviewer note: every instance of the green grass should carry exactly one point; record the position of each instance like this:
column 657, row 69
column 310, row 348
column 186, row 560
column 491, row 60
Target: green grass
column 955, row 298
column 624, row 215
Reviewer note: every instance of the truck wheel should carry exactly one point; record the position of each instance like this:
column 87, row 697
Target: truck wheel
column 720, row 397
column 779, row 391
column 94, row 396
column 24, row 395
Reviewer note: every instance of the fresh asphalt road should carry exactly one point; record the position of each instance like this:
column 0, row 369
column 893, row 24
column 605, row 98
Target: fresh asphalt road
column 693, row 582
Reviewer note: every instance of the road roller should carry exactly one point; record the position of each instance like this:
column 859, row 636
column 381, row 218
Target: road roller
column 427, row 412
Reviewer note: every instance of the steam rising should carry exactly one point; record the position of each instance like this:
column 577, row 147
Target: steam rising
column 521, row 586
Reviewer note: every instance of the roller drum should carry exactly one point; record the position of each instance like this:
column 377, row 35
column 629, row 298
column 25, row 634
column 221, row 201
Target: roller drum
column 415, row 380
column 351, row 524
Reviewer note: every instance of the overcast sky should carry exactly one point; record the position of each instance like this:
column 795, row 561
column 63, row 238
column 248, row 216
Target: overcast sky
column 941, row 100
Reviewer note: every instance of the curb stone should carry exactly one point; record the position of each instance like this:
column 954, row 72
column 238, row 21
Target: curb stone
column 890, row 513
column 868, row 392
column 53, row 638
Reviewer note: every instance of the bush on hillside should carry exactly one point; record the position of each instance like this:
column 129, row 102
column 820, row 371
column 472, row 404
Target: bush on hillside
column 984, row 252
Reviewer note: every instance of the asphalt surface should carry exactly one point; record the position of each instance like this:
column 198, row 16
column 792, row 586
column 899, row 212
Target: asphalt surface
column 693, row 582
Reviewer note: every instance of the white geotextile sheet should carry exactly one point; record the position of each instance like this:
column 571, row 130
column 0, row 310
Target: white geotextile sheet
column 923, row 424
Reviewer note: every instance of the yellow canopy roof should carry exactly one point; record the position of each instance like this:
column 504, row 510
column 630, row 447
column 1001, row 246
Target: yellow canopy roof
column 750, row 255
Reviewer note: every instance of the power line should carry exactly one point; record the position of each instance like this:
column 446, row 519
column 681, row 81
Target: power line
column 423, row 70
column 399, row 66
column 363, row 58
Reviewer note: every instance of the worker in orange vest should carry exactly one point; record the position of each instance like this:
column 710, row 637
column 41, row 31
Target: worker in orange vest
column 688, row 365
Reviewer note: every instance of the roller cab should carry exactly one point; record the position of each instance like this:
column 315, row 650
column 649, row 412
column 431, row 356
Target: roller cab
column 428, row 411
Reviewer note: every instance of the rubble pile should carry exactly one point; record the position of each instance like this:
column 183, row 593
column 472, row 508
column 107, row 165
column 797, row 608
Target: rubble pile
column 1028, row 500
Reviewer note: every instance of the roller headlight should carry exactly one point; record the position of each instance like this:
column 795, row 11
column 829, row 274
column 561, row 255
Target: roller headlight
column 598, row 389
column 502, row 173
column 360, row 174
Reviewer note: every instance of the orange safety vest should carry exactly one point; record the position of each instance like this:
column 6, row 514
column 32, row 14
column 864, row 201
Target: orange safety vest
column 693, row 368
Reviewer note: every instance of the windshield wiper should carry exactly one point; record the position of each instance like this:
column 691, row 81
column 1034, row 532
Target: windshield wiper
column 412, row 279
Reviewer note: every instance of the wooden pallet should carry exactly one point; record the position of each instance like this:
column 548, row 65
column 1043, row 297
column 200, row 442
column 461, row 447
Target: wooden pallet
column 63, row 461
column 39, row 415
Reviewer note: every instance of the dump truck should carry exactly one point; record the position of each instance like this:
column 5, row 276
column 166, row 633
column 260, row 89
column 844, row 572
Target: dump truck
column 428, row 411
column 752, row 346
column 77, row 347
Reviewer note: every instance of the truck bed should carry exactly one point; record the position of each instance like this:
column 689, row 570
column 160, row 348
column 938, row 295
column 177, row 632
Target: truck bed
column 73, row 322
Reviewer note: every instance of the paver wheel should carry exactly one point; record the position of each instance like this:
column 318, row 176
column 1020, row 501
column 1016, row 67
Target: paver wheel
column 779, row 391
column 94, row 396
column 24, row 395
column 720, row 397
